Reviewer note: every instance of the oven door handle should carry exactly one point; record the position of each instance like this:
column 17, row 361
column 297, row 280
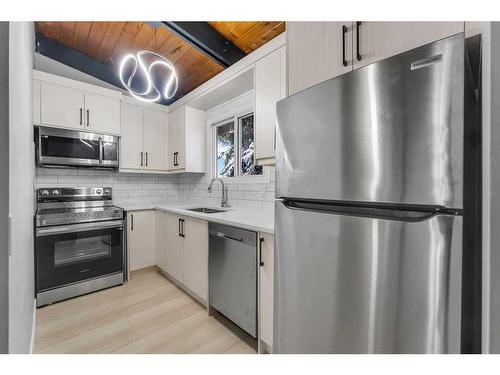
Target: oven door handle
column 84, row 227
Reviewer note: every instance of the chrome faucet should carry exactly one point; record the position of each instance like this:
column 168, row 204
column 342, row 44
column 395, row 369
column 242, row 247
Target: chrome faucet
column 223, row 202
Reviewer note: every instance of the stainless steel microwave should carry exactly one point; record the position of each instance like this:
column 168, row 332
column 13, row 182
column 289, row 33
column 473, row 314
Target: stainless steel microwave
column 74, row 148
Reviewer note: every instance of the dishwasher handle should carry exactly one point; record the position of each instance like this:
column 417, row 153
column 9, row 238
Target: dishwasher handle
column 220, row 234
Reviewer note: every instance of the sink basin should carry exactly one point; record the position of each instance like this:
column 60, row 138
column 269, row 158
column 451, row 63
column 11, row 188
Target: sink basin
column 205, row 210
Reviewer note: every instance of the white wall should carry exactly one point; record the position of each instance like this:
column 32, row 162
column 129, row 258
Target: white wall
column 4, row 188
column 21, row 183
column 47, row 65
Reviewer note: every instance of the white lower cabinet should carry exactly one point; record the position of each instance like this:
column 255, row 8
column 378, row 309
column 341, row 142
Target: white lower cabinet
column 195, row 256
column 266, row 289
column 141, row 239
column 182, row 251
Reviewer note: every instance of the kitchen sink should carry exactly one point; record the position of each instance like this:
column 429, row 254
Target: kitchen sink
column 205, row 210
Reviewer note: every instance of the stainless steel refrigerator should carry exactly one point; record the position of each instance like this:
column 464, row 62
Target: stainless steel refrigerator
column 369, row 210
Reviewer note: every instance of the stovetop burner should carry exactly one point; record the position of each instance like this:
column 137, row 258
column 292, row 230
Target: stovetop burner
column 58, row 206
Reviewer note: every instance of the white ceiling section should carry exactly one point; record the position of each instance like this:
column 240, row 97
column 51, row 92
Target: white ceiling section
column 227, row 91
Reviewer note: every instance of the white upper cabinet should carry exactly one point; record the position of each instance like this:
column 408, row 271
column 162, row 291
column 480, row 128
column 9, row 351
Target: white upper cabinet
column 143, row 143
column 155, row 125
column 317, row 51
column 186, row 140
column 66, row 103
column 270, row 87
column 102, row 113
column 176, row 136
column 379, row 40
column 61, row 106
column 131, row 142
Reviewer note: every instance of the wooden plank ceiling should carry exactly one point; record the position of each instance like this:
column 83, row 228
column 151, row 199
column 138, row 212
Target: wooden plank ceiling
column 108, row 42
column 249, row 35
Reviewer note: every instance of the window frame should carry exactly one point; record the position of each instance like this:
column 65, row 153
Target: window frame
column 235, row 140
column 235, row 118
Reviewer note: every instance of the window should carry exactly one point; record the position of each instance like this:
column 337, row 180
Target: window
column 235, row 148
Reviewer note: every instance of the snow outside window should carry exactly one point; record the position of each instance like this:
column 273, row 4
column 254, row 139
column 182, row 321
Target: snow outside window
column 235, row 147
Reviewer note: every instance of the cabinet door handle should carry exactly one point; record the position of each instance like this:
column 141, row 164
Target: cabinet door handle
column 358, row 55
column 132, row 222
column 88, row 117
column 344, row 31
column 180, row 235
column 81, row 116
column 175, row 159
column 261, row 241
column 146, row 159
column 141, row 159
column 183, row 234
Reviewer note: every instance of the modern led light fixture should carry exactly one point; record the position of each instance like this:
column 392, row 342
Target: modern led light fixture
column 151, row 93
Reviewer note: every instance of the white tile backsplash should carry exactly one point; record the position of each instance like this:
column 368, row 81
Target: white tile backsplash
column 136, row 189
column 128, row 188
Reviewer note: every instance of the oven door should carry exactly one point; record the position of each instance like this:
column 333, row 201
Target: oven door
column 71, row 253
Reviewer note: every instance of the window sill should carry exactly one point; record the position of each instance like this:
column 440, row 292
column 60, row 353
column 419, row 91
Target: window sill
column 265, row 178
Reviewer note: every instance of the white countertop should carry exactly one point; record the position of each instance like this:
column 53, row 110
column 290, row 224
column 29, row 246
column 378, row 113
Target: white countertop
column 259, row 221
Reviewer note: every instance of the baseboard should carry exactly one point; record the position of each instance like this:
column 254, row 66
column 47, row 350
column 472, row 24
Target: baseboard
column 181, row 285
column 33, row 328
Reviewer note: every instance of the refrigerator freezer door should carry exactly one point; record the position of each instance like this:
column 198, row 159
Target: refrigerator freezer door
column 352, row 284
column 389, row 132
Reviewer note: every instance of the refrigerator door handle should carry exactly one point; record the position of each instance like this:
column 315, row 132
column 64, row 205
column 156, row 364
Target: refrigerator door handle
column 407, row 213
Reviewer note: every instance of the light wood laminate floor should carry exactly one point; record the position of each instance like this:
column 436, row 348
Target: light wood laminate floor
column 149, row 314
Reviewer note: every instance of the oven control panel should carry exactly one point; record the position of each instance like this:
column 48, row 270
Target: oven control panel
column 74, row 193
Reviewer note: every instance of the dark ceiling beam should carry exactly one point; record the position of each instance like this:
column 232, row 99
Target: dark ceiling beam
column 77, row 60
column 208, row 40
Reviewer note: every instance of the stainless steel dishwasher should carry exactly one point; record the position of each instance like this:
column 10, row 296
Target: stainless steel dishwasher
column 233, row 275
